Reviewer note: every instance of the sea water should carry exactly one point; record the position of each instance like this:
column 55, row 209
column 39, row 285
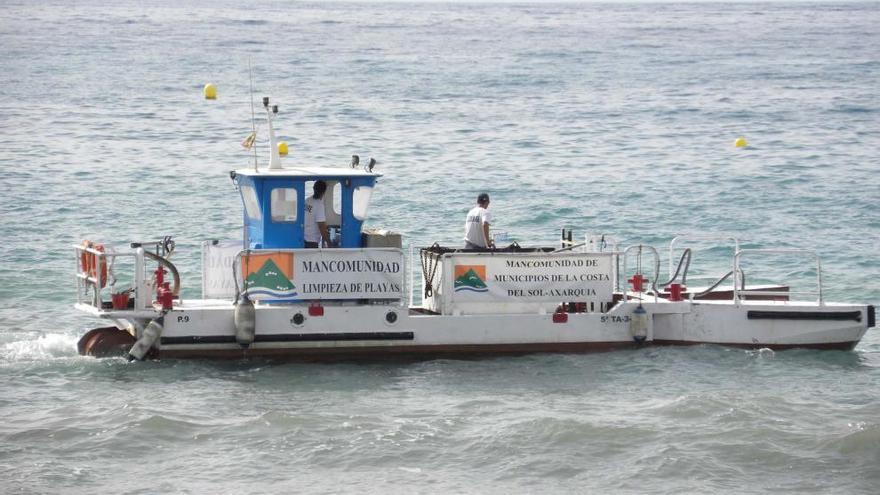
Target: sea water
column 605, row 118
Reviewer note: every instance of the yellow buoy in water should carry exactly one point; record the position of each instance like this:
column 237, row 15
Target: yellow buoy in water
column 740, row 142
column 210, row 91
column 282, row 148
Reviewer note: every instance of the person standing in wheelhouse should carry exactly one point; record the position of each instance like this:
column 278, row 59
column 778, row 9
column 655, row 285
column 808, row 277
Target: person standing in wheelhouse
column 316, row 219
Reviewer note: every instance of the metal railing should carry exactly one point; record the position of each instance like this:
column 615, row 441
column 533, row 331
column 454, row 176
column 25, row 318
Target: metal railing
column 641, row 248
column 696, row 237
column 100, row 278
column 739, row 293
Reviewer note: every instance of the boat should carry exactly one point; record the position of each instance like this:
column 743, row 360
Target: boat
column 267, row 295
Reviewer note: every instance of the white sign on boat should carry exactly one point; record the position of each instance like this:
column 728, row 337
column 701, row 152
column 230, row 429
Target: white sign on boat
column 217, row 274
column 312, row 274
column 520, row 282
column 303, row 274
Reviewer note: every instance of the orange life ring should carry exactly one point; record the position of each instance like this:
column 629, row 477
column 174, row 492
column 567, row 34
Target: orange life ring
column 91, row 262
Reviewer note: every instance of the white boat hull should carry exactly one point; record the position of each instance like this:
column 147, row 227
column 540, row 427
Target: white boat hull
column 205, row 329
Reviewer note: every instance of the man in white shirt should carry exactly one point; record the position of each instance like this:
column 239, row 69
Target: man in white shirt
column 316, row 221
column 476, row 226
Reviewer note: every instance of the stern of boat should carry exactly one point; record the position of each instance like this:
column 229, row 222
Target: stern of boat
column 119, row 285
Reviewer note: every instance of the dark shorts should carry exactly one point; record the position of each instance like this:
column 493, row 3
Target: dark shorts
column 311, row 245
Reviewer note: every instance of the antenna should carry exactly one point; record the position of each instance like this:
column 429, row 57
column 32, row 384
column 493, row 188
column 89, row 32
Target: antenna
column 253, row 113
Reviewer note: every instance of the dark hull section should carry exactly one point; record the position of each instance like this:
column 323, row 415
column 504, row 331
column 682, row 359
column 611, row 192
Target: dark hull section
column 396, row 352
column 293, row 337
column 806, row 315
column 830, row 346
column 455, row 351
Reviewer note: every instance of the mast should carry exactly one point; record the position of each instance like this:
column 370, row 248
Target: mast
column 274, row 157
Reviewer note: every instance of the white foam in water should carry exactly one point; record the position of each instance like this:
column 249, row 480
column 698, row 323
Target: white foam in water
column 47, row 346
column 764, row 352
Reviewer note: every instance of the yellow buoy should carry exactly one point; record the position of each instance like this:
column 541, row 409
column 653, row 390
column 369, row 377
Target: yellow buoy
column 740, row 142
column 210, row 91
column 282, row 148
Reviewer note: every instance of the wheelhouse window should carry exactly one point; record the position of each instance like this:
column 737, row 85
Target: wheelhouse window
column 251, row 202
column 361, row 201
column 283, row 204
column 336, row 191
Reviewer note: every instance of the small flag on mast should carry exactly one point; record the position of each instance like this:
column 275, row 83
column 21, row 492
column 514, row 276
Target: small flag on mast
column 248, row 142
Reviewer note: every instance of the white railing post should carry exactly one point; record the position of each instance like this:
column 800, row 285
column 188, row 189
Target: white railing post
column 412, row 276
column 100, row 262
column 79, row 270
column 736, row 295
column 140, row 290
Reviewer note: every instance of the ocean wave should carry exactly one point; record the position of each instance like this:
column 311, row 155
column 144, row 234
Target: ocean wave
column 43, row 347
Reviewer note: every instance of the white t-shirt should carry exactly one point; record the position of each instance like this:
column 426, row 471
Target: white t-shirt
column 473, row 225
column 314, row 214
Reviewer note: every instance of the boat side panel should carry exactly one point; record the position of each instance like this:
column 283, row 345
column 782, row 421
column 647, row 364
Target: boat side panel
column 394, row 330
column 730, row 324
column 290, row 327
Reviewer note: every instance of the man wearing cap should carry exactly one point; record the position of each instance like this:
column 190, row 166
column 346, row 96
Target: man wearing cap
column 476, row 226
